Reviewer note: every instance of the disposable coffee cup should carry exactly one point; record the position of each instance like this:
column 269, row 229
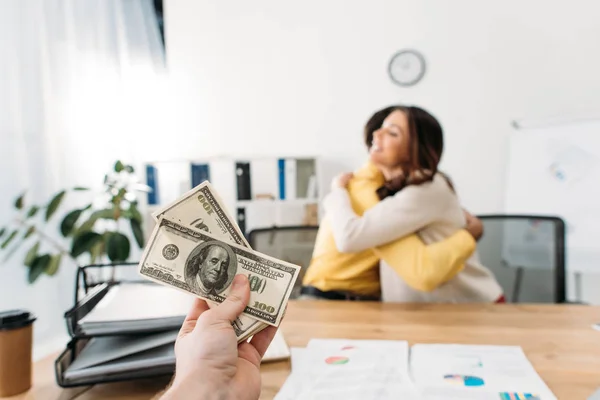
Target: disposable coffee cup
column 16, row 342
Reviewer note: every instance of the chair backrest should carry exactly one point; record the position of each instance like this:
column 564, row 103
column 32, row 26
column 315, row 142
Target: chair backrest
column 293, row 244
column 527, row 255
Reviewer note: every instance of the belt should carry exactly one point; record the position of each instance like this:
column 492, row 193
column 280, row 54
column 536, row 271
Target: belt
column 336, row 295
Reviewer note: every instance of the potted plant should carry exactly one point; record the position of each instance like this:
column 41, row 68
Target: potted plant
column 95, row 231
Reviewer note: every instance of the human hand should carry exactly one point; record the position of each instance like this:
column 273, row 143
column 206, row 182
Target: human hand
column 209, row 362
column 474, row 225
column 341, row 181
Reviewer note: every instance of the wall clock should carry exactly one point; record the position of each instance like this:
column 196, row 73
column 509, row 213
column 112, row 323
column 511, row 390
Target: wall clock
column 406, row 67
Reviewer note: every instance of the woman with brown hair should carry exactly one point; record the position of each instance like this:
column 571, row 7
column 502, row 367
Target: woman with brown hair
column 409, row 198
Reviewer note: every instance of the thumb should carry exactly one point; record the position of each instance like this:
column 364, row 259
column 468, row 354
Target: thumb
column 236, row 300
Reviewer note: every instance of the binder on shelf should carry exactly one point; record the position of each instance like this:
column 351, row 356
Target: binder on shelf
column 281, row 168
column 297, row 178
column 241, row 219
column 200, row 173
column 152, row 182
column 244, row 189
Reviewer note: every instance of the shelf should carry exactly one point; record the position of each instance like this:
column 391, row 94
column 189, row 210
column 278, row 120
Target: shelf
column 277, row 201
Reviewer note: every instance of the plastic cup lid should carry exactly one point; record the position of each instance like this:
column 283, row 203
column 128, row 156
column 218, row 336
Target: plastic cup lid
column 14, row 319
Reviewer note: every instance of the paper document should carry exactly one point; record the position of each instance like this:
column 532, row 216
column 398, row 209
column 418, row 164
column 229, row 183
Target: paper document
column 362, row 369
column 297, row 357
column 475, row 372
column 350, row 369
column 139, row 301
column 277, row 350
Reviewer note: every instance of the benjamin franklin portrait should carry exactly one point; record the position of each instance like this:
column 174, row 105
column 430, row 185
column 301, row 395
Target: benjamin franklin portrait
column 210, row 268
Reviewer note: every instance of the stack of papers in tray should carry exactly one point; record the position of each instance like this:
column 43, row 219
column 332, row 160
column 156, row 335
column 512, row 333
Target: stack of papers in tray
column 104, row 357
column 131, row 307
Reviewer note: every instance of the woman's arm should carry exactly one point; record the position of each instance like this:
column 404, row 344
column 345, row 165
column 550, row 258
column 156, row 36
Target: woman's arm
column 406, row 212
column 425, row 267
column 388, row 229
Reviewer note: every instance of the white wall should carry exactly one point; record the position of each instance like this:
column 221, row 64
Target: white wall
column 279, row 78
column 259, row 75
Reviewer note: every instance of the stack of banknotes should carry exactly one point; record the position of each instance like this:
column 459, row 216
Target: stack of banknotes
column 197, row 247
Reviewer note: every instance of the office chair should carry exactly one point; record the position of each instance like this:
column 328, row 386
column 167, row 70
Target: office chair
column 293, row 244
column 527, row 255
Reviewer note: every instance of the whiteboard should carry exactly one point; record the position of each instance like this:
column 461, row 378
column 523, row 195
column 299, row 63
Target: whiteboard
column 555, row 170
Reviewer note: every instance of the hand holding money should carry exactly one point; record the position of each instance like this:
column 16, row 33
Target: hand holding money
column 203, row 258
column 204, row 350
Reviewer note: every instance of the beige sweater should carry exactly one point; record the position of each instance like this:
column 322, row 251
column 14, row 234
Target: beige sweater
column 434, row 212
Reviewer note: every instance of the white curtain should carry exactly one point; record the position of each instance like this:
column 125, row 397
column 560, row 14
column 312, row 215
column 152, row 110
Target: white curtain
column 82, row 83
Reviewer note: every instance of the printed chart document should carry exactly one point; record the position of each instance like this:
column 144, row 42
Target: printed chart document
column 350, row 369
column 475, row 372
column 380, row 369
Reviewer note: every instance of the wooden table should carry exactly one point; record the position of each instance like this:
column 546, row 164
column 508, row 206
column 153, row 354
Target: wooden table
column 558, row 340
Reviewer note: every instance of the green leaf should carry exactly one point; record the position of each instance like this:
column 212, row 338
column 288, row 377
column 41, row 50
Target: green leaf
column 54, row 203
column 84, row 242
column 2, row 232
column 13, row 250
column 87, row 225
column 117, row 247
column 53, row 265
column 133, row 213
column 108, row 213
column 119, row 166
column 68, row 223
column 96, row 215
column 32, row 211
column 80, row 189
column 38, row 267
column 20, row 202
column 138, row 234
column 31, row 254
column 9, row 239
column 30, row 231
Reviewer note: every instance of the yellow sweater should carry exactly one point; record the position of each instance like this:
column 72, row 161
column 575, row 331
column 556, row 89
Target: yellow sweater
column 423, row 267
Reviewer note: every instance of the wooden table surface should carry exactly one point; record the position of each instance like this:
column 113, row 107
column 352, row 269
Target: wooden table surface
column 558, row 340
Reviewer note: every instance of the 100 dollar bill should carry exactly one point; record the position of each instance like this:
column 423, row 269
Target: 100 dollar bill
column 204, row 265
column 202, row 208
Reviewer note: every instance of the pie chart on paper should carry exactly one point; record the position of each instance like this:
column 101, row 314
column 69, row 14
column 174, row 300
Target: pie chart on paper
column 337, row 360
